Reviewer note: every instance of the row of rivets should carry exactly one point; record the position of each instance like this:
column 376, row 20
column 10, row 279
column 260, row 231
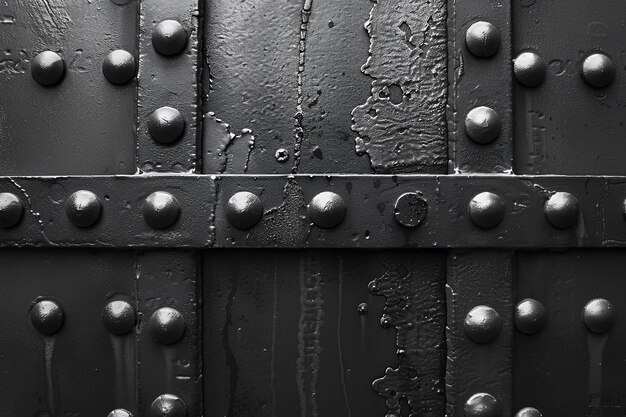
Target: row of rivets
column 486, row 405
column 166, row 405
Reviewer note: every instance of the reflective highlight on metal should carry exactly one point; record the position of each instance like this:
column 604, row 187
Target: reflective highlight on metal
column 562, row 210
column 363, row 309
column 169, row 38
column 482, row 405
column 166, row 326
column 482, row 324
column 530, row 316
column 599, row 315
column 83, row 208
column 168, row 405
column 120, row 412
column 486, row 210
column 529, row 69
column 598, row 70
column 282, row 155
column 483, row 125
column 166, row 125
column 118, row 317
column 161, row 210
column 327, row 209
column 47, row 68
column 410, row 209
column 47, row 317
column 119, row 67
column 482, row 39
column 244, row 210
column 11, row 210
column 528, row 412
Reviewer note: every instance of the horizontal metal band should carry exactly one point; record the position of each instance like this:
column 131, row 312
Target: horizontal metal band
column 289, row 211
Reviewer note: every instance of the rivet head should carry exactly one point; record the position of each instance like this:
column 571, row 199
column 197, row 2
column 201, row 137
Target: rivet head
column 486, row 210
column 327, row 209
column 482, row 39
column 483, row 125
column 47, row 317
column 598, row 70
column 530, row 316
column 599, row 315
column 282, row 155
column 482, row 324
column 83, row 208
column 166, row 125
column 410, row 209
column 120, row 412
column 529, row 69
column 118, row 317
column 47, row 68
column 119, row 67
column 244, row 210
column 161, row 210
column 562, row 210
column 168, row 405
column 166, row 326
column 363, row 309
column 528, row 412
column 11, row 210
column 482, row 405
column 169, row 38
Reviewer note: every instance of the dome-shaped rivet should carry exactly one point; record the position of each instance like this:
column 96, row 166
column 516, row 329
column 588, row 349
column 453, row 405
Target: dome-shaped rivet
column 385, row 321
column 529, row 69
column 118, row 317
column 410, row 209
column 562, row 210
column 119, row 67
column 599, row 315
column 363, row 309
column 166, row 125
column 482, row 405
column 483, row 125
column 47, row 317
column 598, row 70
column 528, row 412
column 168, row 405
column 120, row 412
column 169, row 38
column 11, row 210
column 327, row 209
column 47, row 68
column 83, row 208
column 244, row 210
column 482, row 324
column 486, row 210
column 166, row 325
column 530, row 316
column 482, row 39
column 161, row 210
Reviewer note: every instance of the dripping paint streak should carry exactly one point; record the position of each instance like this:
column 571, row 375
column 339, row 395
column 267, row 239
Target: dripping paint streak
column 48, row 353
column 118, row 359
column 230, row 356
column 595, row 346
column 274, row 319
column 305, row 13
column 339, row 350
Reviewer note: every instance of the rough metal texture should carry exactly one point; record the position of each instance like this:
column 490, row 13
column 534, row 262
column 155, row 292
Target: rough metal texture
column 84, row 124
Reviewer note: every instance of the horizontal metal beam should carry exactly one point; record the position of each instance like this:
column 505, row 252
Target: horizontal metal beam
column 361, row 211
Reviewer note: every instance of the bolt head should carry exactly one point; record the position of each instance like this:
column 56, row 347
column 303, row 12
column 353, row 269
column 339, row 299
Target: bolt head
column 166, row 125
column 562, row 210
column 528, row 412
column 486, row 210
column 161, row 210
column 47, row 317
column 483, row 125
column 282, row 155
column 482, row 39
column 410, row 209
column 83, row 208
column 599, row 315
column 11, row 210
column 118, row 317
column 120, row 412
column 47, row 68
column 482, row 324
column 119, row 67
column 327, row 209
column 166, row 326
column 529, row 69
column 168, row 405
column 598, row 70
column 244, row 210
column 482, row 405
column 530, row 316
column 169, row 38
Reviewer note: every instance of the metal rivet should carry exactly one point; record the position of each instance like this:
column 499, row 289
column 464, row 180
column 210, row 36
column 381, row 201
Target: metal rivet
column 169, row 38
column 244, row 210
column 11, row 210
column 282, row 155
column 120, row 412
column 118, row 317
column 624, row 208
column 327, row 209
column 168, row 405
column 410, row 209
column 385, row 321
column 530, row 316
column 83, row 208
column 166, row 325
column 528, row 412
column 529, row 69
column 161, row 210
column 482, row 39
column 47, row 68
column 119, row 67
column 482, row 324
column 599, row 315
column 166, row 125
column 486, row 210
column 363, row 309
column 598, row 70
column 562, row 210
column 483, row 125
column 47, row 317
column 482, row 405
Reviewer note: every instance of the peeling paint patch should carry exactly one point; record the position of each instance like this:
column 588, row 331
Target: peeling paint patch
column 51, row 14
column 226, row 152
